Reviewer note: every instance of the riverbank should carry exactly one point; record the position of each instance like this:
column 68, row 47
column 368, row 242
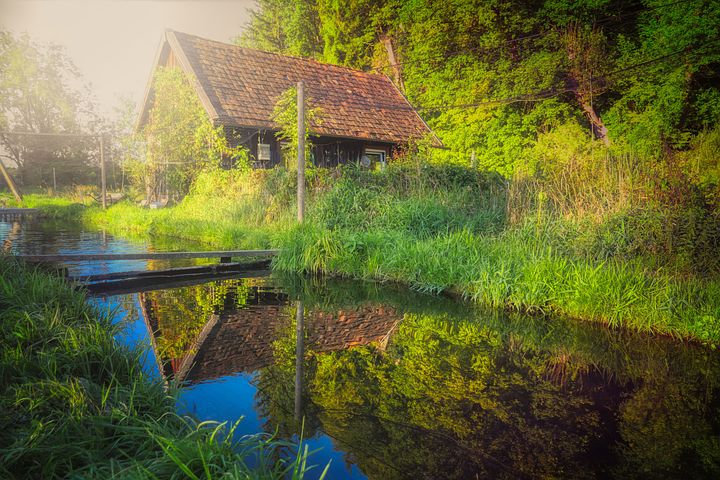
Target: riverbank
column 75, row 403
column 601, row 253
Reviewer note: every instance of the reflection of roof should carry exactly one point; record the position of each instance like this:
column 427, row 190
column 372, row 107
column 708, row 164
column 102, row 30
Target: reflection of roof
column 242, row 340
column 239, row 87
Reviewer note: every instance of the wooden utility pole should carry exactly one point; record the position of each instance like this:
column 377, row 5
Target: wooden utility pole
column 54, row 182
column 11, row 183
column 103, row 186
column 301, row 151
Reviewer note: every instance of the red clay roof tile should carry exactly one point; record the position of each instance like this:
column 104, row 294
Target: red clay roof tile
column 242, row 85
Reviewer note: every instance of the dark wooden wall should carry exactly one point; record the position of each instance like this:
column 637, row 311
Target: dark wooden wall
column 326, row 151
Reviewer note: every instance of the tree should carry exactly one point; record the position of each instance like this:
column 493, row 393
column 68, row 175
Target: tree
column 285, row 115
column 36, row 96
column 180, row 140
column 284, row 27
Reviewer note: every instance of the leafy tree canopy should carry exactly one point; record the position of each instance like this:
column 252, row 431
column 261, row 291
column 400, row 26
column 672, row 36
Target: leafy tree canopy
column 641, row 76
column 40, row 93
column 179, row 139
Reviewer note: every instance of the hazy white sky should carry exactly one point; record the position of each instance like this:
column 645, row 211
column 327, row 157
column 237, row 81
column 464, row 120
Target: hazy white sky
column 113, row 42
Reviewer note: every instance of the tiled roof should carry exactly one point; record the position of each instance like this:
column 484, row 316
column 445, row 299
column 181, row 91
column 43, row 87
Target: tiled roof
column 240, row 86
column 243, row 339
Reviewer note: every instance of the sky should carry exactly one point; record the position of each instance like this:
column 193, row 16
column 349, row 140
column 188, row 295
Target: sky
column 113, row 42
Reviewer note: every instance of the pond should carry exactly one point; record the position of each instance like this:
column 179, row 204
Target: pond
column 384, row 382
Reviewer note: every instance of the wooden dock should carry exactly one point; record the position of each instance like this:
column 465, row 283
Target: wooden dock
column 9, row 214
column 224, row 256
column 146, row 280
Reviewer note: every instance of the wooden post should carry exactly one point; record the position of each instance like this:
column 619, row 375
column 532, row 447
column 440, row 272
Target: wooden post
column 54, row 182
column 11, row 183
column 301, row 152
column 103, row 186
column 299, row 356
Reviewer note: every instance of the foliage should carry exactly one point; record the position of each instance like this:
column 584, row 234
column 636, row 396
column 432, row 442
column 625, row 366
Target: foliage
column 180, row 139
column 645, row 73
column 283, row 27
column 285, row 115
column 583, row 242
column 37, row 96
column 77, row 404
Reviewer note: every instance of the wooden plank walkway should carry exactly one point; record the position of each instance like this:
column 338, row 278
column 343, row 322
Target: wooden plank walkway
column 139, row 285
column 215, row 268
column 79, row 257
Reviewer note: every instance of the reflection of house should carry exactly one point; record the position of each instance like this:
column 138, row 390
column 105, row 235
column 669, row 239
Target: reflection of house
column 363, row 114
column 241, row 340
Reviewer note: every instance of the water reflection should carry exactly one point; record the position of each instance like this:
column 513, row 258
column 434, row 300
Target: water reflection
column 393, row 384
column 410, row 385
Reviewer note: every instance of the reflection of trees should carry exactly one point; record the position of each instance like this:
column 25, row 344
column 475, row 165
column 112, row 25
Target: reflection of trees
column 180, row 314
column 450, row 402
column 455, row 397
column 671, row 429
column 456, row 393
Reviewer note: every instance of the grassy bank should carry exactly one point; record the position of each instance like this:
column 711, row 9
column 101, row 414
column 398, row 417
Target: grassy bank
column 75, row 404
column 600, row 241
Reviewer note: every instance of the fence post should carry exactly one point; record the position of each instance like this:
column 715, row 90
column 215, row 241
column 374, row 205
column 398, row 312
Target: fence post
column 11, row 183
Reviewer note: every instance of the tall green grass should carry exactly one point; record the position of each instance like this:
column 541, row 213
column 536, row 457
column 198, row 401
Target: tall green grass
column 506, row 272
column 599, row 241
column 76, row 404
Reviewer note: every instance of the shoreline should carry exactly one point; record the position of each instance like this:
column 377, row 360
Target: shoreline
column 514, row 279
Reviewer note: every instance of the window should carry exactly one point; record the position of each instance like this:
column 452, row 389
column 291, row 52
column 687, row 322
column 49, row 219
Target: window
column 376, row 159
column 264, row 152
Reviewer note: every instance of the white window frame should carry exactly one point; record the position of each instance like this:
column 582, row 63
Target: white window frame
column 381, row 152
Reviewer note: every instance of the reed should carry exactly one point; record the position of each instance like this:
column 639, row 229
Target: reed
column 76, row 404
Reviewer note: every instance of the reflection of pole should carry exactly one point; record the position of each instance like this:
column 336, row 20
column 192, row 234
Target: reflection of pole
column 11, row 237
column 103, row 186
column 299, row 338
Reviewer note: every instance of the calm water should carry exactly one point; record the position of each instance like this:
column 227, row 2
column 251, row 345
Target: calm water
column 393, row 384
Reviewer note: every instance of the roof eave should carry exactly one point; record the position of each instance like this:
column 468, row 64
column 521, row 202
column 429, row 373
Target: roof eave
column 169, row 43
column 266, row 128
column 147, row 98
column 189, row 70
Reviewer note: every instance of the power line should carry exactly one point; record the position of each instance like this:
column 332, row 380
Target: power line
column 46, row 134
column 539, row 95
column 606, row 20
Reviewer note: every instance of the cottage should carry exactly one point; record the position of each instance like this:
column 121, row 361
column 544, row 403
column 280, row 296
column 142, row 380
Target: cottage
column 363, row 114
